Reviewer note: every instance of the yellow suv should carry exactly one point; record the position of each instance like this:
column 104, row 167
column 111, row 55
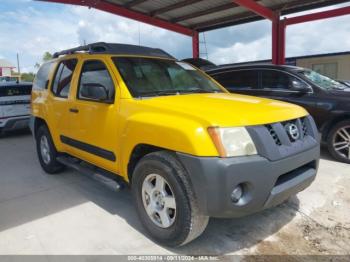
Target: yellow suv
column 188, row 149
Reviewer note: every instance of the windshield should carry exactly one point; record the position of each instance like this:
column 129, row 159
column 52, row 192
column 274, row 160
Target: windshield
column 156, row 77
column 322, row 81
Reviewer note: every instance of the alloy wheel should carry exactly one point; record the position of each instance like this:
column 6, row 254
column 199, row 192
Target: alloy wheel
column 45, row 150
column 159, row 200
column 341, row 142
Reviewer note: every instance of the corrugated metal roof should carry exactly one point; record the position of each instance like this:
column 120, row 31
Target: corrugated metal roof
column 204, row 15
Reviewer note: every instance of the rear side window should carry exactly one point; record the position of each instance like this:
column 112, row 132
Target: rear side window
column 15, row 90
column 63, row 78
column 245, row 79
column 42, row 77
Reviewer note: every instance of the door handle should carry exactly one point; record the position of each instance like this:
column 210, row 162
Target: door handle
column 73, row 110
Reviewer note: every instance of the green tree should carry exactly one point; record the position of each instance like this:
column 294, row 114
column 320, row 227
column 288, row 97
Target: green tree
column 27, row 77
column 47, row 56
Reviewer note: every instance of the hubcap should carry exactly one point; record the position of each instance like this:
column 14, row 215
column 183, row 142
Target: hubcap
column 341, row 142
column 45, row 150
column 159, row 200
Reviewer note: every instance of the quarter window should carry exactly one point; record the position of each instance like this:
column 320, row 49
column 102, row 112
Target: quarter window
column 42, row 77
column 63, row 78
column 245, row 79
column 95, row 72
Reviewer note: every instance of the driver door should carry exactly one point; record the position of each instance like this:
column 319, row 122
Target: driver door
column 93, row 131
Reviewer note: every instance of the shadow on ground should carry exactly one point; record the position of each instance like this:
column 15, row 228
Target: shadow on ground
column 35, row 195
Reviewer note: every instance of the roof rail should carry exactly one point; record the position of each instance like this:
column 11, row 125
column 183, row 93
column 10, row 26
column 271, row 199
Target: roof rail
column 108, row 48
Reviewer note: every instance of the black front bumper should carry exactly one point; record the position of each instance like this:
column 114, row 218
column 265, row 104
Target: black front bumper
column 266, row 183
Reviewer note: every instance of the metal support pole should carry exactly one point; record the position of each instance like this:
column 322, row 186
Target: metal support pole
column 282, row 42
column 195, row 44
column 275, row 41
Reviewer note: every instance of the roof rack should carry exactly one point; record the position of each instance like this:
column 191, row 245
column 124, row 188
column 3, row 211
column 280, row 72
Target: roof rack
column 108, row 48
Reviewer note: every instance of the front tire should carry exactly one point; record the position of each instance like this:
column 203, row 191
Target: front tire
column 165, row 200
column 47, row 152
column 338, row 141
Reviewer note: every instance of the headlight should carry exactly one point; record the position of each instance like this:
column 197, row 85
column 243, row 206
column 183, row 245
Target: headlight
column 232, row 141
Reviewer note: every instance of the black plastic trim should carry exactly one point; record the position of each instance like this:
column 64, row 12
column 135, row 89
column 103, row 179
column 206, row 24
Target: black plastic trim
column 97, row 151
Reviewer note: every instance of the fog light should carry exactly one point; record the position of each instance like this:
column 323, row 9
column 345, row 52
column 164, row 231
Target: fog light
column 237, row 194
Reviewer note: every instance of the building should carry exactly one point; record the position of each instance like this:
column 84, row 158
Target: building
column 333, row 65
column 6, row 71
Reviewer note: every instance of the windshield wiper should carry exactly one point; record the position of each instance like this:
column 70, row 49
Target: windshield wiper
column 202, row 91
column 339, row 87
column 159, row 93
column 175, row 92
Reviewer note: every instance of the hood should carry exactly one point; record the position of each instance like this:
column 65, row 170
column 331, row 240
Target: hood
column 224, row 109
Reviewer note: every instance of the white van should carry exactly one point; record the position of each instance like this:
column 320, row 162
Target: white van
column 14, row 105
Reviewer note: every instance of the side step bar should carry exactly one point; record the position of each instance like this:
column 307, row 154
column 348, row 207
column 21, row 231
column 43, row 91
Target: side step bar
column 112, row 181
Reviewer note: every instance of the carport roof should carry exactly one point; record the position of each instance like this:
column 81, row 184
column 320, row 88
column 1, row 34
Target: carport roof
column 199, row 15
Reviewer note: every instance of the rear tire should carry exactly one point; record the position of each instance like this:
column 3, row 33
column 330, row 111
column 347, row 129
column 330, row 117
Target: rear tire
column 47, row 152
column 338, row 141
column 184, row 222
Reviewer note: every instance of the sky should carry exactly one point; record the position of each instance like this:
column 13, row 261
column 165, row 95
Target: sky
column 31, row 28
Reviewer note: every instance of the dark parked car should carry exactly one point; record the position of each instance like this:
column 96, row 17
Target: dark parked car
column 327, row 100
column 200, row 63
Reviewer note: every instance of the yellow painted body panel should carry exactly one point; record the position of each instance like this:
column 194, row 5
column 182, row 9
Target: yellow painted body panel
column 178, row 123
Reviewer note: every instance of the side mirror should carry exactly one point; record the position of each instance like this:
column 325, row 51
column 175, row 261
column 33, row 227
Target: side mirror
column 94, row 91
column 299, row 87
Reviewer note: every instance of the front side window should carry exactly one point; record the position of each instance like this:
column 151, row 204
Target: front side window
column 277, row 80
column 244, row 79
column 156, row 77
column 42, row 77
column 63, row 78
column 95, row 79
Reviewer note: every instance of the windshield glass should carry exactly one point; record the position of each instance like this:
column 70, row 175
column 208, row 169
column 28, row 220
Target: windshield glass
column 322, row 81
column 156, row 77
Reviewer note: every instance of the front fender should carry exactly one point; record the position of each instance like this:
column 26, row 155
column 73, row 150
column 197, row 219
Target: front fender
column 169, row 132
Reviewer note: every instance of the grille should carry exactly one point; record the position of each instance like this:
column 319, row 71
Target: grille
column 279, row 131
column 274, row 135
column 303, row 126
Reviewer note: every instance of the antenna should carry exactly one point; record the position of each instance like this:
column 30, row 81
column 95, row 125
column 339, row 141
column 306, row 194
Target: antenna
column 205, row 52
column 18, row 68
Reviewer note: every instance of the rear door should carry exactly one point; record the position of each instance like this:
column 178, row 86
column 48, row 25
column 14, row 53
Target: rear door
column 15, row 100
column 60, row 98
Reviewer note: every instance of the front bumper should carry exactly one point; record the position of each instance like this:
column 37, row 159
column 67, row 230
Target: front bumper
column 266, row 183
